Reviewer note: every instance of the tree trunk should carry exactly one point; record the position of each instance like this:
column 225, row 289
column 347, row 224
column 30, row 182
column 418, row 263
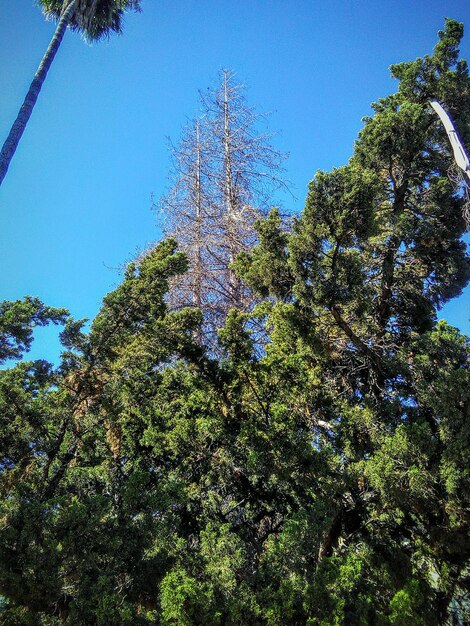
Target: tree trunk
column 198, row 270
column 230, row 216
column 17, row 130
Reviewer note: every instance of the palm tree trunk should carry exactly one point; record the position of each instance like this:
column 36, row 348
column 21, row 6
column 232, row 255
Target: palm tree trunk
column 17, row 130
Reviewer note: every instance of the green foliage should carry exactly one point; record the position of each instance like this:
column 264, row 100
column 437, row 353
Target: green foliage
column 322, row 479
column 17, row 322
column 266, row 267
column 405, row 606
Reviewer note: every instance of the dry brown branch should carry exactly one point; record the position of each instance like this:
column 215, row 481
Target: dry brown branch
column 224, row 175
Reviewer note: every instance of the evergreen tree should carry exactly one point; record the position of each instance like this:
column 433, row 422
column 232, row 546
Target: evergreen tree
column 376, row 252
column 326, row 482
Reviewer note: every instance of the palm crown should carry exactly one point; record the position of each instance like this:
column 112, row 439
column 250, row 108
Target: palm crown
column 95, row 19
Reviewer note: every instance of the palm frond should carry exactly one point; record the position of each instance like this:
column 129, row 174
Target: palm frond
column 95, row 19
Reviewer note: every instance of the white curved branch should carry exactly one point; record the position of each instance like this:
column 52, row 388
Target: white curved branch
column 460, row 155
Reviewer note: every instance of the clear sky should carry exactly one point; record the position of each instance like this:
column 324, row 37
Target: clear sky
column 76, row 203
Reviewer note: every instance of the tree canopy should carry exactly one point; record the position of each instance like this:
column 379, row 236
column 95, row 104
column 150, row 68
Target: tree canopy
column 322, row 482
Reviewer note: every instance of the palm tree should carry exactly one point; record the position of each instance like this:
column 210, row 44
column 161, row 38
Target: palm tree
column 95, row 19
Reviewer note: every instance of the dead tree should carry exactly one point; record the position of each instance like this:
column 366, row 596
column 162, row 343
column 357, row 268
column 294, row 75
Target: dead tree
column 225, row 173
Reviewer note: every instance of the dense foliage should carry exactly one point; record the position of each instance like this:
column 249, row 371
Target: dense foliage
column 327, row 481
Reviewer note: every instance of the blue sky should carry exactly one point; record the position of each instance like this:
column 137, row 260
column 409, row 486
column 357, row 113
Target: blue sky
column 76, row 203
